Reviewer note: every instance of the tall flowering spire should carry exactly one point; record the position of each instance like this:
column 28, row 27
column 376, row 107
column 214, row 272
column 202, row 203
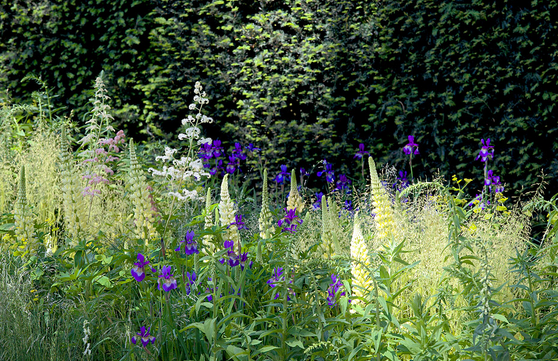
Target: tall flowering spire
column 226, row 213
column 75, row 209
column 25, row 233
column 362, row 280
column 208, row 239
column 385, row 224
column 143, row 214
column 295, row 200
column 266, row 226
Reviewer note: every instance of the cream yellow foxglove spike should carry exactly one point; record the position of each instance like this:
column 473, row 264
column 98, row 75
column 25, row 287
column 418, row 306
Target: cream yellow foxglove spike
column 295, row 200
column 208, row 239
column 384, row 218
column 362, row 280
column 144, row 216
column 333, row 224
column 24, row 228
column 265, row 224
column 227, row 214
column 73, row 202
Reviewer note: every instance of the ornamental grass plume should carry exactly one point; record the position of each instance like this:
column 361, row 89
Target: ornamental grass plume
column 144, row 216
column 362, row 280
column 227, row 214
column 25, row 231
column 265, row 223
column 384, row 217
column 295, row 200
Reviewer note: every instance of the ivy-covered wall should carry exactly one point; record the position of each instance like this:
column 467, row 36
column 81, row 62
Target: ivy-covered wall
column 307, row 80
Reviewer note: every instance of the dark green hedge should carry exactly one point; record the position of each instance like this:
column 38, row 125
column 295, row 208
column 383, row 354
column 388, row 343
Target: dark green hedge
column 454, row 72
column 308, row 80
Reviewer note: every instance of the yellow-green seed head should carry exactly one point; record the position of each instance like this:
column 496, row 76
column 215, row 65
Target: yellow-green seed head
column 295, row 200
column 265, row 220
column 227, row 213
column 384, row 218
column 362, row 280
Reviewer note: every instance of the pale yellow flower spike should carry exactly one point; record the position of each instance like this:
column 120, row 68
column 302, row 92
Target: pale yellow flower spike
column 359, row 253
column 25, row 233
column 208, row 239
column 295, row 200
column 226, row 214
column 265, row 224
column 144, row 217
column 384, row 219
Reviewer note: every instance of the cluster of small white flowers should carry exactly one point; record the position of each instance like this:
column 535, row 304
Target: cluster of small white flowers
column 185, row 168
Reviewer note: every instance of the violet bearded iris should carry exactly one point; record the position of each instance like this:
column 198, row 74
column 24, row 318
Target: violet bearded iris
column 328, row 171
column 138, row 271
column 408, row 148
column 277, row 278
column 191, row 281
column 486, row 152
column 333, row 289
column 289, row 223
column 169, row 282
column 144, row 337
column 190, row 246
column 361, row 152
column 283, row 176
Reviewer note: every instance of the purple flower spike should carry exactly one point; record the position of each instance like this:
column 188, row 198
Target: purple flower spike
column 361, row 152
column 144, row 336
column 408, row 149
column 486, row 152
column 138, row 271
column 169, row 282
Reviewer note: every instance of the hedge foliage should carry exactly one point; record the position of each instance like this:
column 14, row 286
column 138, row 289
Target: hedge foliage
column 308, row 80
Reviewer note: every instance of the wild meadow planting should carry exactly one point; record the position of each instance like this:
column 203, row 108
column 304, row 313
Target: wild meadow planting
column 114, row 250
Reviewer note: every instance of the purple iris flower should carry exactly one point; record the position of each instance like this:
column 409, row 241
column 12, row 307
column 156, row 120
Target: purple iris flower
column 169, row 282
column 349, row 205
column 250, row 147
column 138, row 271
column 243, row 259
column 486, row 152
column 328, row 171
column 144, row 336
column 333, row 289
column 493, row 180
column 190, row 246
column 408, row 148
column 238, row 222
column 206, row 151
column 276, row 279
column 191, row 281
column 288, row 222
column 283, row 176
column 233, row 163
column 233, row 258
column 303, row 172
column 361, row 152
column 318, row 203
column 403, row 182
column 237, row 152
column 217, row 149
column 218, row 167
column 343, row 182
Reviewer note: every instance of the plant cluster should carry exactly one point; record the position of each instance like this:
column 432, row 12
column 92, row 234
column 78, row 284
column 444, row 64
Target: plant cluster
column 147, row 267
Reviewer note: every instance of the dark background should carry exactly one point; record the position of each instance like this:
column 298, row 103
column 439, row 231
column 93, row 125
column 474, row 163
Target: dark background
column 307, row 81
